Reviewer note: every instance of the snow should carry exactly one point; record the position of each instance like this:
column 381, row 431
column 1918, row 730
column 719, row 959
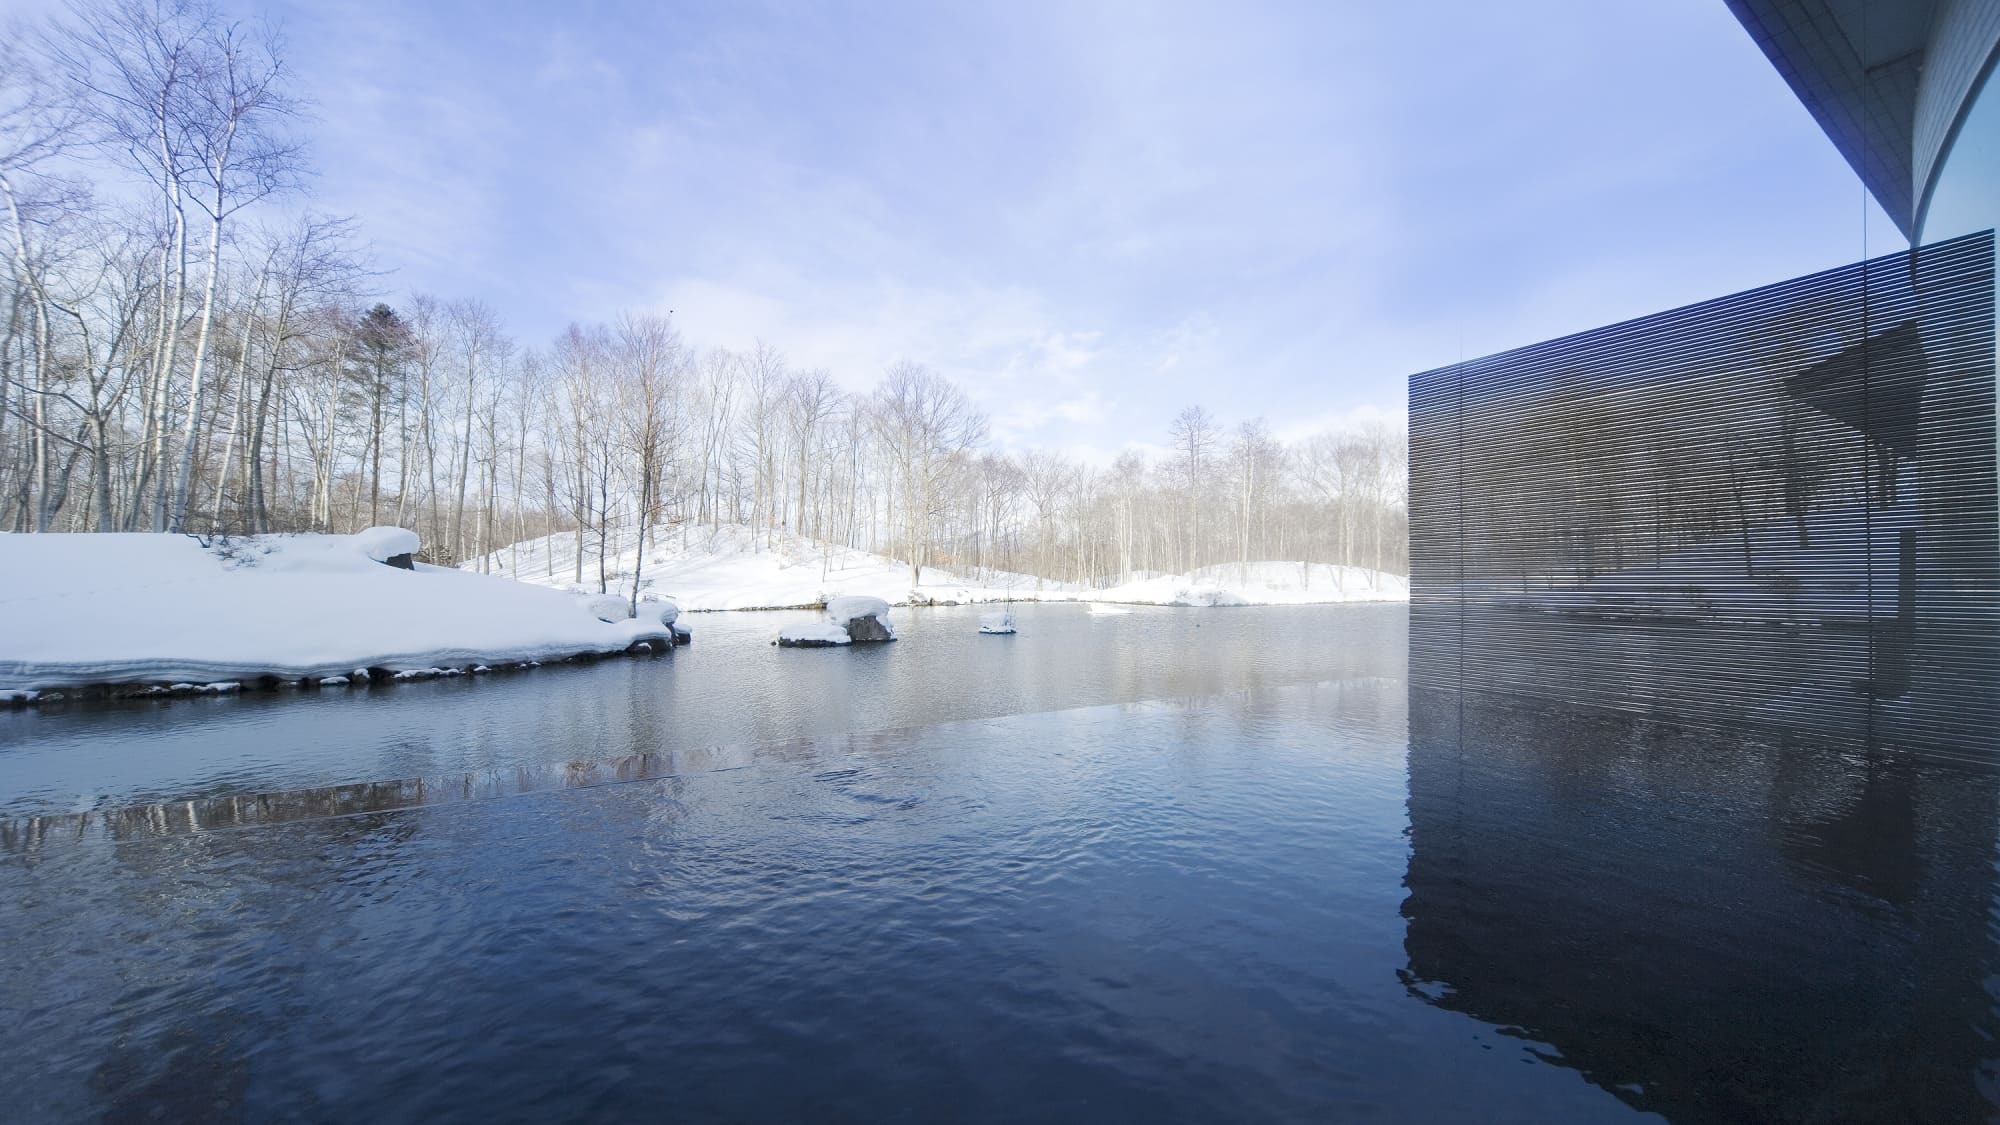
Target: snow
column 385, row 543
column 737, row 567
column 997, row 623
column 836, row 626
column 154, row 609
column 1262, row 583
column 818, row 633
column 843, row 609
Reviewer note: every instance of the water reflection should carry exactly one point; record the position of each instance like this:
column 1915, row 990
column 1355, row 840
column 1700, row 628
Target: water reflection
column 250, row 810
column 1710, row 925
column 731, row 688
column 1177, row 911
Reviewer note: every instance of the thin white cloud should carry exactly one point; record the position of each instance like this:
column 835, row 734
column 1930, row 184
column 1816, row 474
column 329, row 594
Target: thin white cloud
column 1090, row 218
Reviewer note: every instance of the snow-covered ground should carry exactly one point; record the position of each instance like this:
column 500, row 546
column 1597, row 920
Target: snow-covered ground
column 1262, row 583
column 161, row 609
column 732, row 568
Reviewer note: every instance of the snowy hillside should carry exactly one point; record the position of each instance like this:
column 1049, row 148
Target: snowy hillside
column 730, row 568
column 124, row 609
column 1263, row 583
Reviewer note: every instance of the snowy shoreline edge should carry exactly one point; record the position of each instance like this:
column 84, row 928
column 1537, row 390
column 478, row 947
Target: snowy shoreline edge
column 109, row 616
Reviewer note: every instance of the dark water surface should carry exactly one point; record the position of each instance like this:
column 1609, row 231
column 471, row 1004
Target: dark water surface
column 1169, row 865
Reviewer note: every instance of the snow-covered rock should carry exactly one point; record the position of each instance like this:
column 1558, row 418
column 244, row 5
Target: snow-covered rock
column 384, row 544
column 997, row 623
column 864, row 616
column 850, row 618
column 664, row 609
column 820, row 634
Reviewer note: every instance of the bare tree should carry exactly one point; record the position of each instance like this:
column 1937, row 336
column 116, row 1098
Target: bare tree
column 813, row 398
column 230, row 117
column 650, row 361
column 928, row 427
column 481, row 346
column 1194, row 435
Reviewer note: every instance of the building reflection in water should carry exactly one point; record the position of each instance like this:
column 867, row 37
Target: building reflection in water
column 1705, row 638
column 1709, row 924
column 1778, row 508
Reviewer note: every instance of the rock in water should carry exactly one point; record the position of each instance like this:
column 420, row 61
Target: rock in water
column 869, row 629
column 866, row 619
column 998, row 623
column 848, row 619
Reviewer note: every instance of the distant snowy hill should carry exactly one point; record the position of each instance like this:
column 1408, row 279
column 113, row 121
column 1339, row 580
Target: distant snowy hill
column 733, row 568
column 1263, row 583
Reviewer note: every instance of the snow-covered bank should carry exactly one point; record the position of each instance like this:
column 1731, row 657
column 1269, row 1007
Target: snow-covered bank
column 1261, row 583
column 165, row 609
column 733, row 568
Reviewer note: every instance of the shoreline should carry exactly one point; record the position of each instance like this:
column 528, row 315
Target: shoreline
column 147, row 615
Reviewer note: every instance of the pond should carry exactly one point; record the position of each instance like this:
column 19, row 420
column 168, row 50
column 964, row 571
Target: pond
column 1156, row 865
column 731, row 687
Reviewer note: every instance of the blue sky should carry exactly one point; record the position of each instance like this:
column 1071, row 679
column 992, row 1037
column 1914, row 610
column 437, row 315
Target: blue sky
column 1091, row 214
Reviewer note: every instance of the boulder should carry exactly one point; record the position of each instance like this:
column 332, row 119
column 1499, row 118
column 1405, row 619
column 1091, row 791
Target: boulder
column 865, row 619
column 868, row 630
column 848, row 619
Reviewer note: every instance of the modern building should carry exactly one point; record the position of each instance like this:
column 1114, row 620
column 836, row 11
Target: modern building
column 1901, row 88
column 1705, row 627
column 1777, row 508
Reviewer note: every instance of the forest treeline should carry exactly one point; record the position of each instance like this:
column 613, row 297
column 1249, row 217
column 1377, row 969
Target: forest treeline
column 187, row 346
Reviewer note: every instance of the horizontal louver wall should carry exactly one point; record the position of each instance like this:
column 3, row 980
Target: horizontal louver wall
column 1775, row 508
